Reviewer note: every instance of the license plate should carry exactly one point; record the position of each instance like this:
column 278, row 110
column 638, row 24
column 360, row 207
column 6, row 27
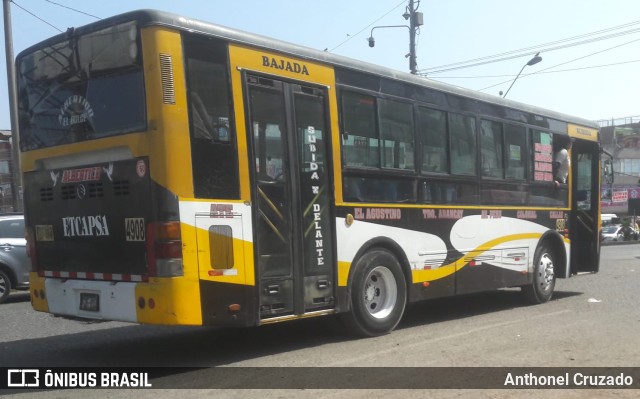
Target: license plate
column 89, row 302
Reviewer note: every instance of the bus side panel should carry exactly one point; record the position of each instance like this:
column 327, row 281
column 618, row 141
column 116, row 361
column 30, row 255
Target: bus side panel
column 449, row 251
column 231, row 305
column 168, row 122
column 424, row 252
column 217, row 242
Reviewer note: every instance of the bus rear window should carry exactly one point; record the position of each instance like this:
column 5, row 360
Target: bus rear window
column 84, row 88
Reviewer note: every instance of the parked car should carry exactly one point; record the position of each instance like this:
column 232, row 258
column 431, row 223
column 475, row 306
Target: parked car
column 609, row 219
column 618, row 232
column 14, row 263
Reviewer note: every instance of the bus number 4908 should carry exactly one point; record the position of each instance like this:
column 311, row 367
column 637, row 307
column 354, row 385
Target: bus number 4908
column 134, row 229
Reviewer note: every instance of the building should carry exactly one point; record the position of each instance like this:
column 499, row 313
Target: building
column 621, row 138
column 6, row 177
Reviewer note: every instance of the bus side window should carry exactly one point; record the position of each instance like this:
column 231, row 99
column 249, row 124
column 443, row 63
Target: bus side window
column 436, row 192
column 360, row 144
column 463, row 144
column 491, row 146
column 213, row 152
column 353, row 189
column 515, row 148
column 201, row 120
column 441, row 192
column 432, row 137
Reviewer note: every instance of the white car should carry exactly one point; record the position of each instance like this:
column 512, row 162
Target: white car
column 616, row 233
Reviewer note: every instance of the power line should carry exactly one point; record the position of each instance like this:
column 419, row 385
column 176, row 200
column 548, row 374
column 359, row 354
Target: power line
column 547, row 50
column 367, row 27
column 539, row 72
column 72, row 9
column 529, row 49
column 35, row 16
column 563, row 63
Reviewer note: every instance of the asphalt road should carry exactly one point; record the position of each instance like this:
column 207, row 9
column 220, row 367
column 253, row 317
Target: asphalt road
column 592, row 321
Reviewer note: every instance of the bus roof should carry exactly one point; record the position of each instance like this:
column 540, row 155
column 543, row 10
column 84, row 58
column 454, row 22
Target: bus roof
column 161, row 18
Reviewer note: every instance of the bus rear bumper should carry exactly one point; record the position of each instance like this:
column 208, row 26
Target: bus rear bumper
column 104, row 300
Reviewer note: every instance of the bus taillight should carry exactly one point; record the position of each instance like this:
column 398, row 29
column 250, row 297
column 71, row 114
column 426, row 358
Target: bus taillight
column 164, row 249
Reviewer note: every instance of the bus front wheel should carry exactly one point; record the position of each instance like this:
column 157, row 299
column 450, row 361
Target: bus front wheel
column 544, row 280
column 378, row 294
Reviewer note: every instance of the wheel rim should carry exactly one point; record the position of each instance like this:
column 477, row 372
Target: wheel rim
column 545, row 272
column 380, row 292
column 3, row 285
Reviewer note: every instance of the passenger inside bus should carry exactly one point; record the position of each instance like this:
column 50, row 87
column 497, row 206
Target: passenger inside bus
column 562, row 162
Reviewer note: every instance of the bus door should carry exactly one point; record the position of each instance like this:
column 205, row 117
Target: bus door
column 585, row 197
column 293, row 237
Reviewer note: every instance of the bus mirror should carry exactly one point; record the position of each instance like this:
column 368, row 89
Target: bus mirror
column 608, row 171
column 607, row 167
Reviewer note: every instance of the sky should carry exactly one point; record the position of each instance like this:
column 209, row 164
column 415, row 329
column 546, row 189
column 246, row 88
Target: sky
column 595, row 81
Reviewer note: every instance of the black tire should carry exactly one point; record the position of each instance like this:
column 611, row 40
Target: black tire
column 544, row 279
column 378, row 295
column 5, row 286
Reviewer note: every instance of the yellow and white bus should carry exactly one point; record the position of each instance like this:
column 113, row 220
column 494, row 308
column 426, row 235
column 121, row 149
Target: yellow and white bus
column 183, row 173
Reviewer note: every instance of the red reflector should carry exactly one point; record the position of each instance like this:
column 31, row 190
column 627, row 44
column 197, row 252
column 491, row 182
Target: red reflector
column 152, row 303
column 425, row 284
column 516, row 259
column 141, row 303
column 427, row 268
column 473, row 263
column 215, row 273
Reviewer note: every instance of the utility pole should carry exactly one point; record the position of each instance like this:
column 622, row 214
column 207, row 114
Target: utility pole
column 415, row 21
column 14, row 165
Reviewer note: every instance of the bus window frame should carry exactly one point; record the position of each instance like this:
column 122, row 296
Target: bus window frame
column 222, row 46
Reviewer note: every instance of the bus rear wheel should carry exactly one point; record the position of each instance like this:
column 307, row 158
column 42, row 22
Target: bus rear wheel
column 378, row 294
column 544, row 280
